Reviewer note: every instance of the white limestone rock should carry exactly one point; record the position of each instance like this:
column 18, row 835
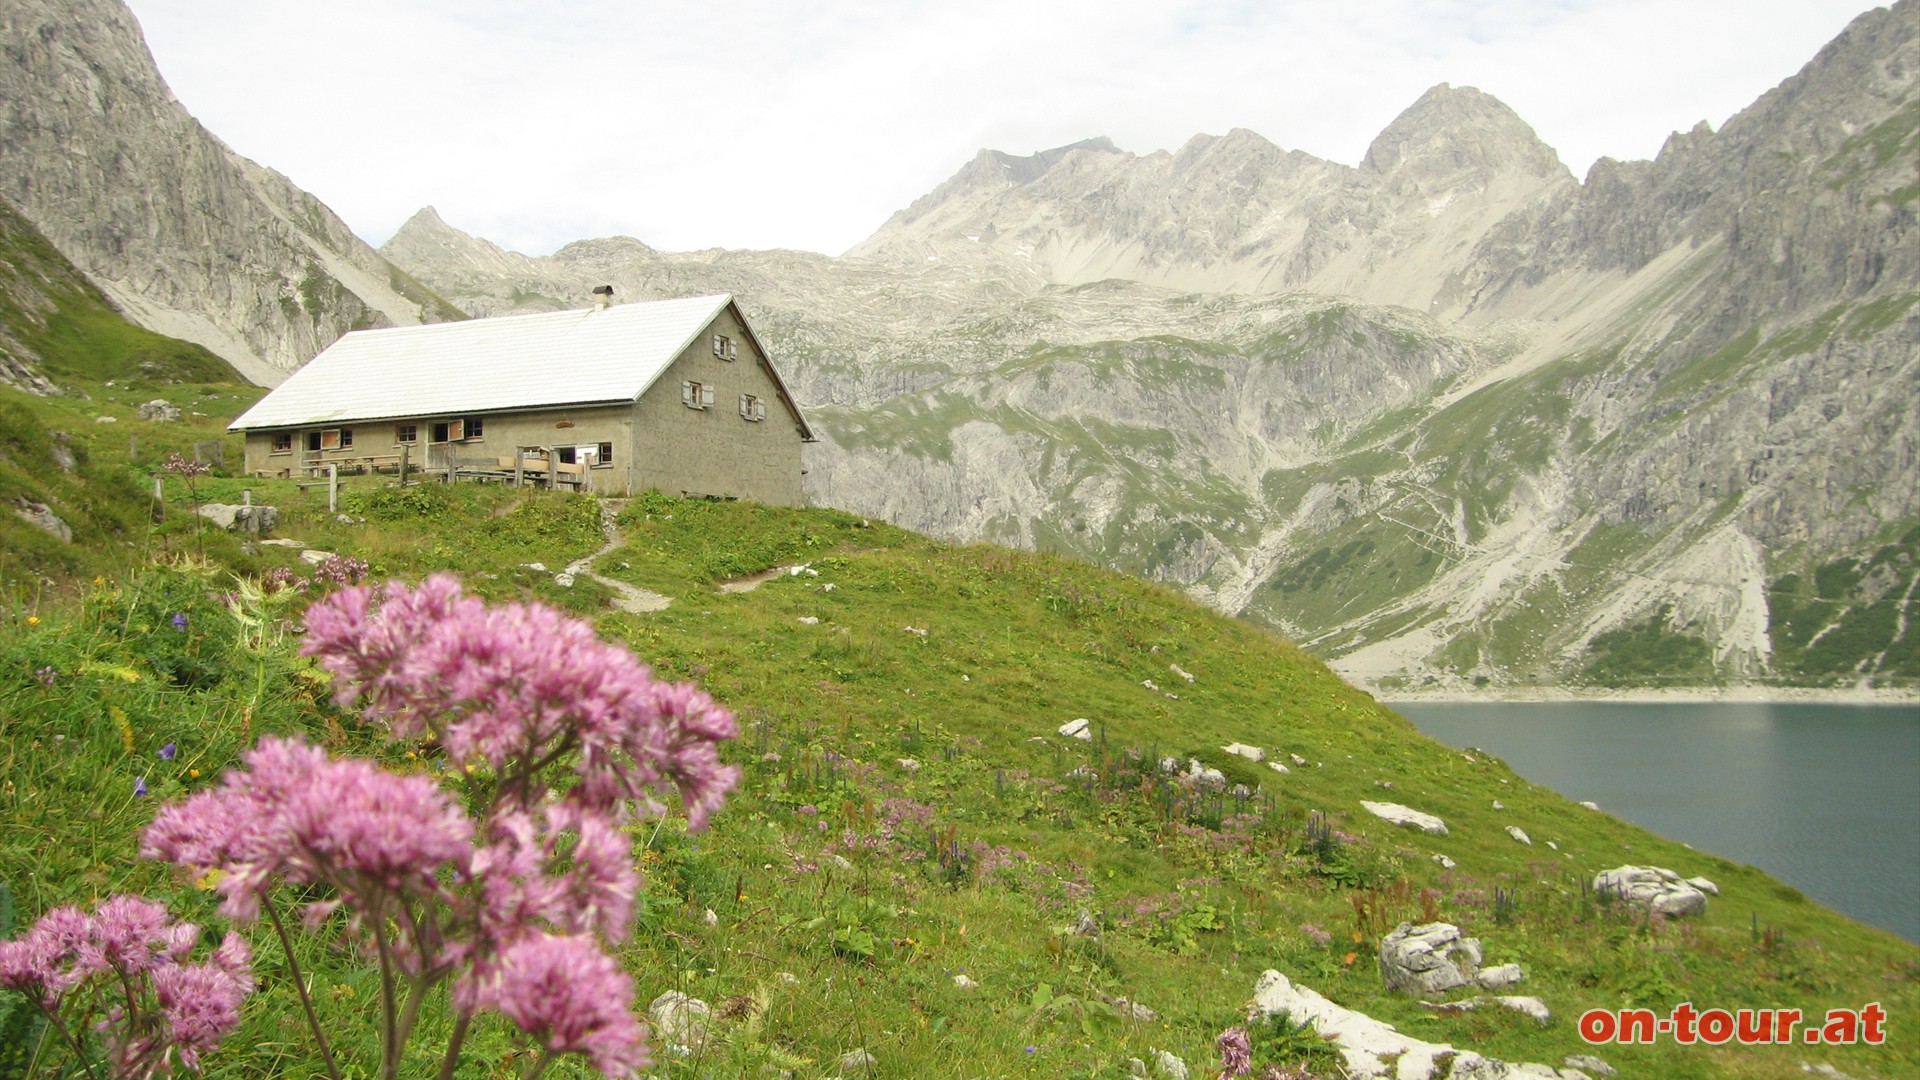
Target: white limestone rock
column 680, row 1020
column 1445, row 863
column 1428, row 959
column 1519, row 834
column 41, row 516
column 1168, row 1067
column 1704, row 886
column 1653, row 887
column 1499, row 977
column 1396, row 814
column 159, row 410
column 1251, row 753
column 1078, row 729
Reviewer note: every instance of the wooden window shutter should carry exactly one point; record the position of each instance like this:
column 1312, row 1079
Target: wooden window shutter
column 733, row 351
column 746, row 406
column 759, row 409
column 686, row 393
column 706, row 396
column 719, row 345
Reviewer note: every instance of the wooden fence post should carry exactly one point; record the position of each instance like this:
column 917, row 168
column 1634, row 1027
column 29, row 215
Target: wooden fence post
column 404, row 448
column 333, row 487
column 159, row 498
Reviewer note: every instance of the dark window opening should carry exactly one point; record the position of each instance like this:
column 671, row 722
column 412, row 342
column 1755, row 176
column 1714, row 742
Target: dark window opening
column 566, row 455
column 282, row 441
column 439, row 431
column 475, row 427
column 313, row 440
column 406, row 433
column 606, row 453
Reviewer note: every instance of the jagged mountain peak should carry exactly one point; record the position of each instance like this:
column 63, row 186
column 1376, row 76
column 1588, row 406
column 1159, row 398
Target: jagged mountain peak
column 1455, row 129
column 1005, row 167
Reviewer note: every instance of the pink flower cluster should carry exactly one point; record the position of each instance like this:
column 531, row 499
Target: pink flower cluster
column 1236, row 1052
column 553, row 734
column 169, row 1010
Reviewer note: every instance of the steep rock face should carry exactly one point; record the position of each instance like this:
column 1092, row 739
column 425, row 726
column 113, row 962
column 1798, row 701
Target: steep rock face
column 1656, row 425
column 185, row 236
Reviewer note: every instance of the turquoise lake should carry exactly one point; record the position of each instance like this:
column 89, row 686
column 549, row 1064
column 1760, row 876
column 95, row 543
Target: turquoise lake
column 1823, row 797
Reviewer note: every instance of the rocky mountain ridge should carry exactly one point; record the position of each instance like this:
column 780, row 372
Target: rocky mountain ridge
column 1447, row 415
column 186, row 237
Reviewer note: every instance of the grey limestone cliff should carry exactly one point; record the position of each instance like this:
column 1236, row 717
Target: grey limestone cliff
column 186, row 237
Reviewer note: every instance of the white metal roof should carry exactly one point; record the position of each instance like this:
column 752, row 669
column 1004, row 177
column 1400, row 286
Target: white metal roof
column 516, row 362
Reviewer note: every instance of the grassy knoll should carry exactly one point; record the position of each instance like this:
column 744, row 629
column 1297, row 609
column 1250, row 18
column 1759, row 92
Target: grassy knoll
column 909, row 813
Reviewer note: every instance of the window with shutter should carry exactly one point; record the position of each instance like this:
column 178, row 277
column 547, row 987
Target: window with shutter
column 759, row 409
column 696, row 395
column 719, row 345
column 706, row 396
column 733, row 351
column 330, row 439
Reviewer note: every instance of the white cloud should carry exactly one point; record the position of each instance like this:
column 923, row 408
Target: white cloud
column 764, row 124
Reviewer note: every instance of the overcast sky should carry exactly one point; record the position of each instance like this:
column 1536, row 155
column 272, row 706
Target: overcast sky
column 761, row 123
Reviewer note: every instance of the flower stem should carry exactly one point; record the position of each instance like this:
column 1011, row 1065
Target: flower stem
column 389, row 1022
column 79, row 1052
column 300, row 987
column 454, row 1042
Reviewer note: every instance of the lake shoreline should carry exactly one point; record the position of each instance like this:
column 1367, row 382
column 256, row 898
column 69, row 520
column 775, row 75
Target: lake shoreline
column 1691, row 695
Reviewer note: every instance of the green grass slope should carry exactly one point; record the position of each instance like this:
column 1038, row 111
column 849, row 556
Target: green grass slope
column 909, row 813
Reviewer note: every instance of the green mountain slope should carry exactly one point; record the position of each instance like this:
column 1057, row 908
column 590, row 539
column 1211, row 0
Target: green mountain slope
column 68, row 360
column 910, row 812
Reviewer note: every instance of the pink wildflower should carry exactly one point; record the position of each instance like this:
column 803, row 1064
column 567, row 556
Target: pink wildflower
column 298, row 816
column 1236, row 1052
column 201, row 1003
column 569, row 996
column 514, row 684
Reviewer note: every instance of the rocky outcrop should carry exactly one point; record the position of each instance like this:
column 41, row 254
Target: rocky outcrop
column 1652, row 887
column 1428, row 959
column 1370, row 1048
column 187, row 238
column 1396, row 814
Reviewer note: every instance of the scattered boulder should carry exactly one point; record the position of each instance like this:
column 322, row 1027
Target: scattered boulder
column 41, row 516
column 1210, row 779
column 1589, row 804
column 915, row 631
column 1519, row 834
column 1085, row 925
column 963, row 982
column 1395, row 814
column 1653, row 887
column 1499, row 977
column 1136, row 1067
column 1251, row 753
column 1277, row 767
column 1297, row 759
column 1497, row 805
column 1532, row 1006
column 1078, row 729
column 106, row 419
column 63, row 458
column 1168, row 1067
column 238, row 518
column 1183, row 673
column 1704, row 886
column 1133, row 1010
column 680, row 1020
column 857, row 1060
column 1428, row 959
column 315, row 557
column 159, row 411
column 1445, row 863
column 809, row 620
column 1588, row 1063
column 911, row 765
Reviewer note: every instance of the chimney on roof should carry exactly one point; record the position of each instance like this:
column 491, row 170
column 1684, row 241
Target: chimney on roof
column 604, row 293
